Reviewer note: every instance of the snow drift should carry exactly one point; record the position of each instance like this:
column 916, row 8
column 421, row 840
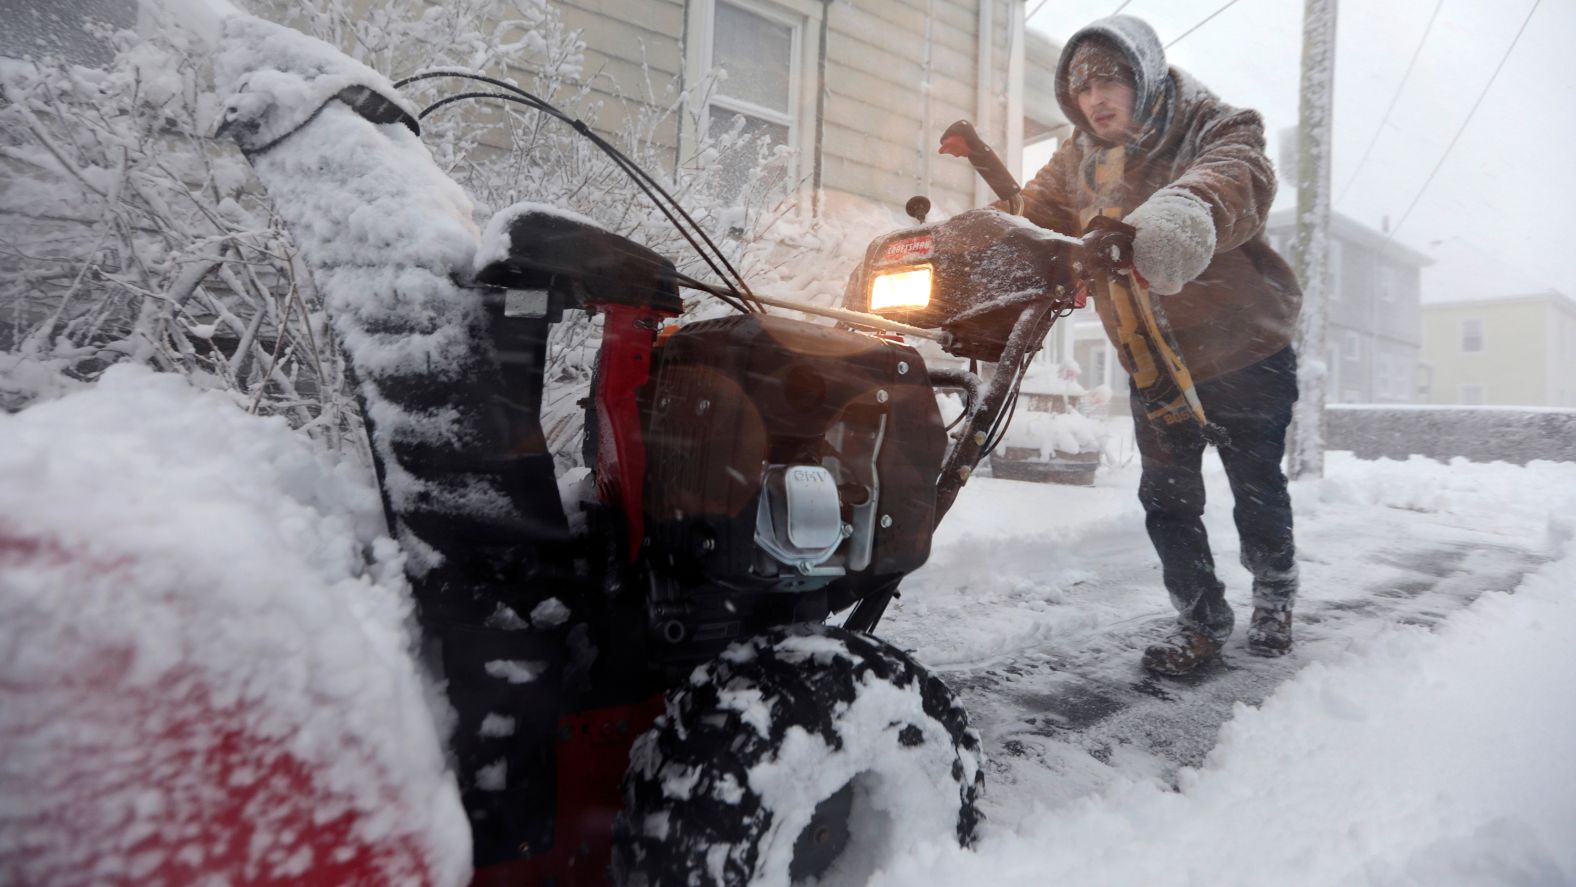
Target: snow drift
column 205, row 664
column 1414, row 757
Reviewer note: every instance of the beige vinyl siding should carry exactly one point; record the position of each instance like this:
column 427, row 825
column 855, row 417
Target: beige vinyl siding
column 874, row 144
column 624, row 40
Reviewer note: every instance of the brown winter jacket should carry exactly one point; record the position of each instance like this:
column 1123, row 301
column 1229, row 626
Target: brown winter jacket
column 1244, row 306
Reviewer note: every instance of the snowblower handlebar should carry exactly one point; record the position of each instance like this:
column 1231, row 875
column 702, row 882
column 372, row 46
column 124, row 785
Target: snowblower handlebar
column 960, row 140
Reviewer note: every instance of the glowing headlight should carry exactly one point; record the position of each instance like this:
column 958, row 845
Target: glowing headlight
column 909, row 288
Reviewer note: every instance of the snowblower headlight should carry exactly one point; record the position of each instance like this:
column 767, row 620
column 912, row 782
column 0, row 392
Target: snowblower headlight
column 901, row 288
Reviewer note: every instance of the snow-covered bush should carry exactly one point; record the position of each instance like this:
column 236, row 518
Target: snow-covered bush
column 129, row 235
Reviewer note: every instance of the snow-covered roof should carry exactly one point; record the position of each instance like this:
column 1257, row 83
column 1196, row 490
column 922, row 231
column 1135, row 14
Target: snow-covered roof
column 1468, row 299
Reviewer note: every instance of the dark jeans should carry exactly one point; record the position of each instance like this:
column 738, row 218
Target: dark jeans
column 1254, row 405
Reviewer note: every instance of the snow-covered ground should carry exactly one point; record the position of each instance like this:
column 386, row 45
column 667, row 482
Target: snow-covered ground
column 1420, row 734
column 205, row 658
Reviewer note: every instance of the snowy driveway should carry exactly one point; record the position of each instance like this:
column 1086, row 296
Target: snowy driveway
column 1039, row 599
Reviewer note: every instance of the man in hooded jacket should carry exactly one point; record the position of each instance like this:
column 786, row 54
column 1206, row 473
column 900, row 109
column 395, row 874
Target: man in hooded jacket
column 1156, row 150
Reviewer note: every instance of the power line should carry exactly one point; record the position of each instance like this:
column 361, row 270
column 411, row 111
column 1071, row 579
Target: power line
column 1125, row 4
column 1457, row 137
column 1201, row 24
column 1393, row 99
column 1041, row 5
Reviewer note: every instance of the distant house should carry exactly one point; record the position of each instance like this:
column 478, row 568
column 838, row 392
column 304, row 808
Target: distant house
column 1373, row 340
column 1508, row 351
column 857, row 90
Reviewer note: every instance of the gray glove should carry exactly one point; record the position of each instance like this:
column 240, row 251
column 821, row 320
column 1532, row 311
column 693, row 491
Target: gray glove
column 1175, row 240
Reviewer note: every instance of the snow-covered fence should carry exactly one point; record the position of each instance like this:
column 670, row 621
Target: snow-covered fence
column 1480, row 434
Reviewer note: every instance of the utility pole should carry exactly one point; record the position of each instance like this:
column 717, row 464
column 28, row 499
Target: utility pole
column 1312, row 253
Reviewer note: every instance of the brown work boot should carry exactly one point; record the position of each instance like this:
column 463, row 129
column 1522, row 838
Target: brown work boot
column 1269, row 634
column 1182, row 652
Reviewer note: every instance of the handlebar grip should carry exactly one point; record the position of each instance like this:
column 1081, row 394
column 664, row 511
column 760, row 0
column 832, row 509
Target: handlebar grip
column 960, row 140
column 1108, row 243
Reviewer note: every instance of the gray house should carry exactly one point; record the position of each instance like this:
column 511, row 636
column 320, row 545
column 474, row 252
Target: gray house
column 1375, row 333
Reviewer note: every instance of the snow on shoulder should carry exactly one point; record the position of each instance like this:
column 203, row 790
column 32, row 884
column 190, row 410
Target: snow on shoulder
column 200, row 670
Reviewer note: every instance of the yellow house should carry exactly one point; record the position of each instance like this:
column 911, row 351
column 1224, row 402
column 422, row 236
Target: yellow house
column 1510, row 351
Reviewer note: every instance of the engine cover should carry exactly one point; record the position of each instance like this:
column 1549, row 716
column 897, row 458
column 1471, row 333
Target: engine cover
column 786, row 455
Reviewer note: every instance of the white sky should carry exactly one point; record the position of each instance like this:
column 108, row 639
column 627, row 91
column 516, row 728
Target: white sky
column 1499, row 214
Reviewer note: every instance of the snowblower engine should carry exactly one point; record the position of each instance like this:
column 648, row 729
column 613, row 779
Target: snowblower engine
column 787, row 458
column 763, row 470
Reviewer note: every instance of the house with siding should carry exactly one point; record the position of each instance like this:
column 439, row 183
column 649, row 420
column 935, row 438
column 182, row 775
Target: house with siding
column 855, row 93
column 1506, row 351
column 1373, row 337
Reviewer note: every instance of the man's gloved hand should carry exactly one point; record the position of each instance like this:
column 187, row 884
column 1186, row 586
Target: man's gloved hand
column 1109, row 244
column 1175, row 240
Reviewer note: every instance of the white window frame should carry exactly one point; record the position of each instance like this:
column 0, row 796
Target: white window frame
column 803, row 17
column 1352, row 346
column 1393, row 377
column 1036, row 147
column 1482, row 336
column 1332, row 259
column 1388, row 282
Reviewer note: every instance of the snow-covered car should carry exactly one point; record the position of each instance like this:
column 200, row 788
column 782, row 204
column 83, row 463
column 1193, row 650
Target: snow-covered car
column 1052, row 439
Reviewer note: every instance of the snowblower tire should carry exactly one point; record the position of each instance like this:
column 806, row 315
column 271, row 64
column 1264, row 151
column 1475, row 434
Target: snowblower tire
column 805, row 752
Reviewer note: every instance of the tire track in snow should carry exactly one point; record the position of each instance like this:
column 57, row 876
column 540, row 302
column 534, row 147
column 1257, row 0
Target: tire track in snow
column 1064, row 715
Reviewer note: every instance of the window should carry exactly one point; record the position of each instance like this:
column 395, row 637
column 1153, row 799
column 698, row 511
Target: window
column 1353, row 349
column 1036, row 154
column 1389, row 283
column 1469, row 394
column 1395, row 379
column 1334, row 277
column 1096, row 374
column 1471, row 336
column 752, row 115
